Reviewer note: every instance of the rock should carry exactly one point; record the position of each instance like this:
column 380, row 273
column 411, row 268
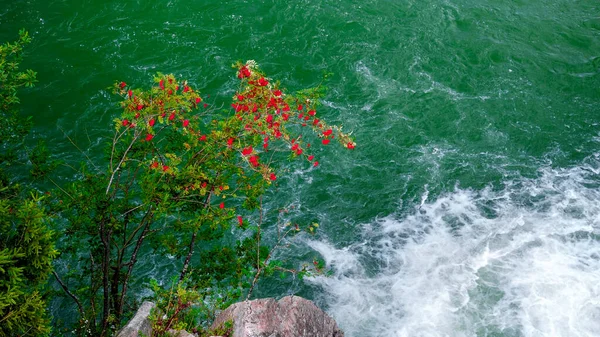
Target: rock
column 140, row 324
column 292, row 316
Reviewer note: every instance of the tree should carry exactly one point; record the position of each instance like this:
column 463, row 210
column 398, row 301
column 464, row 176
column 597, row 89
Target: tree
column 26, row 242
column 180, row 177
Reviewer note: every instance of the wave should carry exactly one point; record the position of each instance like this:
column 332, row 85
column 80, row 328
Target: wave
column 520, row 261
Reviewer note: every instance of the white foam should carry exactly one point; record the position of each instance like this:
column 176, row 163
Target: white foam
column 524, row 261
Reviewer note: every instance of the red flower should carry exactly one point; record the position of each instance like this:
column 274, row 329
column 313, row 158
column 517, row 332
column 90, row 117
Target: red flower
column 327, row 133
column 247, row 151
column 286, row 107
column 299, row 151
column 151, row 122
column 316, row 163
column 123, row 85
column 161, row 84
column 269, row 118
column 300, row 107
column 129, row 93
column 240, row 97
column 222, row 205
column 165, row 168
column 316, row 121
column 170, row 92
column 149, row 137
column 202, row 138
column 244, row 72
column 326, row 141
column 186, row 88
column 312, row 112
column 125, row 122
column 294, row 147
column 351, row 146
column 229, row 142
column 310, row 158
column 240, row 220
column 137, row 115
column 254, row 161
column 172, row 116
column 285, row 117
column 277, row 93
column 262, row 82
column 154, row 165
column 198, row 100
column 140, row 106
column 273, row 177
column 186, row 123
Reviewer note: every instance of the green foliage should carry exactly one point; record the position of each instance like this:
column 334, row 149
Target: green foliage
column 26, row 242
column 180, row 307
column 14, row 128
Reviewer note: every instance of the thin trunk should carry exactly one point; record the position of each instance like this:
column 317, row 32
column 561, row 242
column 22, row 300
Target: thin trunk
column 189, row 256
column 93, row 293
column 148, row 219
column 105, row 237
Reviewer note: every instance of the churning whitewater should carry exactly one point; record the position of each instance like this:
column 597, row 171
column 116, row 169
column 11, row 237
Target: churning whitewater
column 521, row 261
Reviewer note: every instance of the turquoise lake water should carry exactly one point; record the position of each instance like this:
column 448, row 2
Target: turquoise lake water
column 471, row 205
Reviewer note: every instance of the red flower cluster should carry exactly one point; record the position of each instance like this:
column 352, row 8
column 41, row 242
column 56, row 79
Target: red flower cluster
column 244, row 72
column 254, row 161
column 247, row 151
column 262, row 82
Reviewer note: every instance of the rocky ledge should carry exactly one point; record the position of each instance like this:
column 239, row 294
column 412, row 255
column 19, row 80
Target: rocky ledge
column 291, row 316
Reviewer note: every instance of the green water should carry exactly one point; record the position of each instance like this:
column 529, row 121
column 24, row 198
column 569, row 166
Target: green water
column 443, row 96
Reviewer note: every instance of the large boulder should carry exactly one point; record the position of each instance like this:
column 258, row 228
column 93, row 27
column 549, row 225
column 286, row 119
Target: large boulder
column 292, row 316
column 140, row 324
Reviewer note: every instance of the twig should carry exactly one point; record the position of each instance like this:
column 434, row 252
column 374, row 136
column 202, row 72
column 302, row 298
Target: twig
column 64, row 286
column 112, row 175
column 77, row 147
